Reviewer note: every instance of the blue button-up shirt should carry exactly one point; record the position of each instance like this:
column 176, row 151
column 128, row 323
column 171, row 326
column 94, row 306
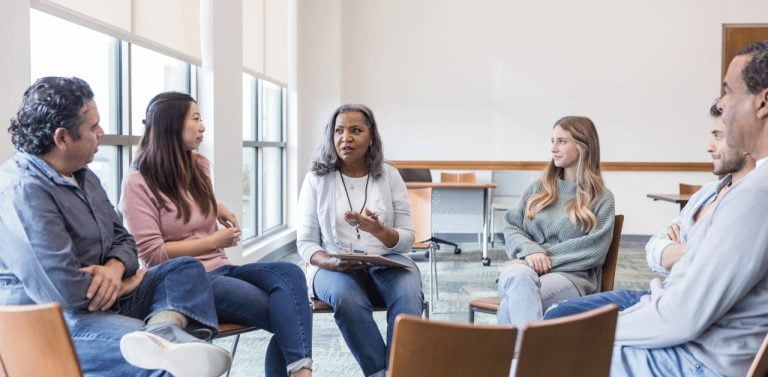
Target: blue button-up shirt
column 50, row 228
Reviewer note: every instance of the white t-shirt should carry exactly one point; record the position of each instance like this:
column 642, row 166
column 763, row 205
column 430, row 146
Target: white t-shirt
column 345, row 233
column 71, row 179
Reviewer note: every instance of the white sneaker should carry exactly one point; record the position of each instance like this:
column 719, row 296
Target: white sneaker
column 195, row 359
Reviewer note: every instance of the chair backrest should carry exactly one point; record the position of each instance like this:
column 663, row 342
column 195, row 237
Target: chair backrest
column 420, row 201
column 686, row 189
column 470, row 177
column 511, row 183
column 35, row 341
column 415, row 175
column 612, row 258
column 759, row 366
column 426, row 348
column 578, row 345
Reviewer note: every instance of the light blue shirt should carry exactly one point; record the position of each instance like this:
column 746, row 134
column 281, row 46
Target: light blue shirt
column 659, row 241
column 715, row 298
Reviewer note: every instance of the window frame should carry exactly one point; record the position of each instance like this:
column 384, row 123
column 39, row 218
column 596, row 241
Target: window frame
column 259, row 145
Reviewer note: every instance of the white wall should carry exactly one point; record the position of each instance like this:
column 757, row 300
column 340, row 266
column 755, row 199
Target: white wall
column 319, row 69
column 485, row 80
column 14, row 41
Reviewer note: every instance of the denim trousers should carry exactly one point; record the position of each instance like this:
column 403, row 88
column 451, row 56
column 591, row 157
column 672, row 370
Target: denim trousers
column 179, row 285
column 622, row 298
column 674, row 361
column 271, row 296
column 524, row 294
column 632, row 361
column 352, row 295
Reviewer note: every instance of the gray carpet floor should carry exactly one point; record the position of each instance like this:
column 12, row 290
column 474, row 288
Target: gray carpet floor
column 461, row 278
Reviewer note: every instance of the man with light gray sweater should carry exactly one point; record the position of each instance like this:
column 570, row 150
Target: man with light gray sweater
column 710, row 315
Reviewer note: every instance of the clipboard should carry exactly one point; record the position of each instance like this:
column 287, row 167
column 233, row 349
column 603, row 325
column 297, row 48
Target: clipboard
column 371, row 258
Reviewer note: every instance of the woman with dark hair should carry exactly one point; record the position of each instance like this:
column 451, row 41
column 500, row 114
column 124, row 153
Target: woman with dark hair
column 559, row 232
column 169, row 206
column 352, row 201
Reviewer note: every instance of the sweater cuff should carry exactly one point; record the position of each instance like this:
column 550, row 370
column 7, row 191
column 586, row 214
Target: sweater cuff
column 531, row 250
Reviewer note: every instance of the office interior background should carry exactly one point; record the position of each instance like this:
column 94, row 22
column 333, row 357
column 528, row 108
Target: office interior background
column 447, row 80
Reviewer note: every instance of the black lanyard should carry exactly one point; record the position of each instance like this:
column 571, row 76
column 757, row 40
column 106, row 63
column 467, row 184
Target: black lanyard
column 365, row 198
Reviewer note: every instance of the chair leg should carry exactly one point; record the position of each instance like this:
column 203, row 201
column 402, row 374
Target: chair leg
column 431, row 276
column 232, row 351
column 425, row 309
column 471, row 314
column 433, row 271
column 491, row 232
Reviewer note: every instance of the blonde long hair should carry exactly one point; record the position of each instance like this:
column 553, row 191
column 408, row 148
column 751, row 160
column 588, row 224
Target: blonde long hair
column 589, row 181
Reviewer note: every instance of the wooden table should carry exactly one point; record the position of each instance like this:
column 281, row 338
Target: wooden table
column 681, row 199
column 487, row 195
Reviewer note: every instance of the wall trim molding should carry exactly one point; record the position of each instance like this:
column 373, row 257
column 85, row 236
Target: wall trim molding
column 540, row 165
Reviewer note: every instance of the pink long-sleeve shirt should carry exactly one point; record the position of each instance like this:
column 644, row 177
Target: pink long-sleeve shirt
column 152, row 225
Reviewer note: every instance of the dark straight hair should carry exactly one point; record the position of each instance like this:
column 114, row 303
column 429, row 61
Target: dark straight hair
column 166, row 165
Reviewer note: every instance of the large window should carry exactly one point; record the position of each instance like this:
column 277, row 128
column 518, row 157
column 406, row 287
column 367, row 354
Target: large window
column 123, row 76
column 263, row 157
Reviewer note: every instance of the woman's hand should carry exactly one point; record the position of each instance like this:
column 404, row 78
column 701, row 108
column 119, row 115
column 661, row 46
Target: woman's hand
column 367, row 221
column 327, row 261
column 224, row 238
column 540, row 262
column 227, row 217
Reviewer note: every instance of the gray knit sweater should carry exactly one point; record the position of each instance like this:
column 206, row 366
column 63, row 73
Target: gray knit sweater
column 575, row 254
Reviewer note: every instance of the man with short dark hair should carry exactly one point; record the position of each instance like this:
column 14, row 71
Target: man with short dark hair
column 64, row 242
column 710, row 315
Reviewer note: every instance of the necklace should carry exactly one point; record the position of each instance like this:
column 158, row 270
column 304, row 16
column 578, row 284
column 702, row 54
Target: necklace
column 349, row 201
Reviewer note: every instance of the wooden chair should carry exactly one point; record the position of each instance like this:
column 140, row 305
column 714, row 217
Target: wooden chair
column 687, row 189
column 415, row 175
column 35, row 341
column 577, row 345
column 759, row 367
column 434, row 348
column 490, row 305
column 470, row 177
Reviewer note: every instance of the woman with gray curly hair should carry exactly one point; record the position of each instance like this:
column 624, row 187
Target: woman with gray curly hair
column 352, row 201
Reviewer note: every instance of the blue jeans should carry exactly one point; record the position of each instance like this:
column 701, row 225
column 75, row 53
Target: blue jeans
column 632, row 361
column 622, row 298
column 179, row 285
column 271, row 296
column 670, row 361
column 353, row 295
column 524, row 294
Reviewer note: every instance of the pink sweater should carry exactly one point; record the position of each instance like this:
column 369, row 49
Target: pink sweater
column 153, row 226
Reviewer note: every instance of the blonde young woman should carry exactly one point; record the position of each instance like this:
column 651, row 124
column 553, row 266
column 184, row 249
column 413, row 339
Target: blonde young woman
column 559, row 232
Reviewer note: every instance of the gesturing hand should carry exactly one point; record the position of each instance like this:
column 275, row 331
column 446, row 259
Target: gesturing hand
column 367, row 221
